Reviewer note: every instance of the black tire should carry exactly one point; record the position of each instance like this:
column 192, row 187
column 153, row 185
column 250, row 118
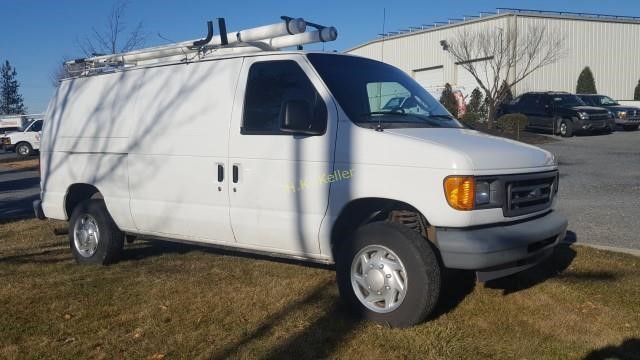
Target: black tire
column 111, row 239
column 566, row 128
column 630, row 127
column 23, row 150
column 422, row 266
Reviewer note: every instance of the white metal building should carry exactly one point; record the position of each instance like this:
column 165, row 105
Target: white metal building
column 609, row 45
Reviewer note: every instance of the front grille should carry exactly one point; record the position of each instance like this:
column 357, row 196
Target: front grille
column 598, row 116
column 530, row 193
column 633, row 115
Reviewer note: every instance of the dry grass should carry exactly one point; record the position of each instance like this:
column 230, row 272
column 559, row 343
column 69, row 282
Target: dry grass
column 175, row 301
column 29, row 164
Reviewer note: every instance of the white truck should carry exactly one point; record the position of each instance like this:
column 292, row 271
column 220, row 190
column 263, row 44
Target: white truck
column 24, row 142
column 240, row 145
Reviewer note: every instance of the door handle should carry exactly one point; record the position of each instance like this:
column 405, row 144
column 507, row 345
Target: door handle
column 220, row 173
column 235, row 174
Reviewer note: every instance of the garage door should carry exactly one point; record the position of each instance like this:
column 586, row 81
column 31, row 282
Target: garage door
column 466, row 82
column 431, row 79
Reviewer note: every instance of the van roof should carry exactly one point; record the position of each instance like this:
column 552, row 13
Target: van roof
column 210, row 57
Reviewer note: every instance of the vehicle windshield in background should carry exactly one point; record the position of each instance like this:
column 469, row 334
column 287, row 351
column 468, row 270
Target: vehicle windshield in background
column 602, row 101
column 567, row 100
column 372, row 93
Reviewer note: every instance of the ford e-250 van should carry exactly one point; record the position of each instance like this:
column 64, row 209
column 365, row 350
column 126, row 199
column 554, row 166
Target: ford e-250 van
column 294, row 154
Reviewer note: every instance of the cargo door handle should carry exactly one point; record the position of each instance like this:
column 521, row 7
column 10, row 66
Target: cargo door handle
column 235, row 174
column 220, row 173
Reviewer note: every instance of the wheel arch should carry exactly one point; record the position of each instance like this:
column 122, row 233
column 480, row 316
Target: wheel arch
column 21, row 142
column 358, row 212
column 78, row 192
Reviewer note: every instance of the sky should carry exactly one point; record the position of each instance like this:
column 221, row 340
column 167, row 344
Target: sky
column 36, row 36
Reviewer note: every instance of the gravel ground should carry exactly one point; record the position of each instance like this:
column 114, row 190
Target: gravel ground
column 600, row 187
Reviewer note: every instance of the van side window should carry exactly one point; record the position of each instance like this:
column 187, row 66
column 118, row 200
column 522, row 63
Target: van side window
column 270, row 84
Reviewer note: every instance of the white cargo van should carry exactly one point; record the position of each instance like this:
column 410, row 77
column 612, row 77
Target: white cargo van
column 291, row 154
column 25, row 141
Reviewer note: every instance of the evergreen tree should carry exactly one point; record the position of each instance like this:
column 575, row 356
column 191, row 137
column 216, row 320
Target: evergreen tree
column 448, row 100
column 475, row 101
column 10, row 98
column 586, row 83
column 636, row 93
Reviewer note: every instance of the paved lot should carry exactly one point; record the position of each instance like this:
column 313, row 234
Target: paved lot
column 600, row 187
column 18, row 189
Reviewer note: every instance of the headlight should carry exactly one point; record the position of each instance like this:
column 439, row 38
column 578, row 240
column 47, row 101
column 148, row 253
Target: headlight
column 611, row 115
column 467, row 193
column 622, row 114
column 583, row 115
column 460, row 192
column 483, row 192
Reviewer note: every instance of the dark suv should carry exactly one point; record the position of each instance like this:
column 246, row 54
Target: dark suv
column 559, row 112
column 627, row 116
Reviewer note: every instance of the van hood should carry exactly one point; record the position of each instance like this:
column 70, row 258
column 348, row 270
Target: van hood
column 484, row 152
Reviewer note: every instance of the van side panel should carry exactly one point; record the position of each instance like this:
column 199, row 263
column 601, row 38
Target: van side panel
column 86, row 141
column 178, row 141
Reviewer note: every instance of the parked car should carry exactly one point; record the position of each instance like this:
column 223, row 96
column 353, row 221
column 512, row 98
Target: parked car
column 626, row 116
column 284, row 153
column 559, row 112
column 24, row 142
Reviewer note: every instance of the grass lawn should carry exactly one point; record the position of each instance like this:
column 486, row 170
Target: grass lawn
column 175, row 301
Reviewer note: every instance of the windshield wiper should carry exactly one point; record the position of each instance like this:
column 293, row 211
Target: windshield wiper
column 379, row 126
column 385, row 113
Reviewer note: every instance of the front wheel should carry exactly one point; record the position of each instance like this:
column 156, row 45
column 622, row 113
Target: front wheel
column 24, row 150
column 566, row 128
column 94, row 237
column 389, row 274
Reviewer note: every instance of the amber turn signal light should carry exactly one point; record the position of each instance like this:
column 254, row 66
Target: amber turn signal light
column 460, row 192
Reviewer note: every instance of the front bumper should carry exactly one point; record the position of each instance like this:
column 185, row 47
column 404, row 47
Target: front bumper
column 628, row 121
column 593, row 125
column 500, row 250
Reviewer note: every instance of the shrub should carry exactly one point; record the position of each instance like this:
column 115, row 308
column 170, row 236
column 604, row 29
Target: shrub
column 513, row 123
column 472, row 119
column 448, row 100
column 586, row 83
column 636, row 93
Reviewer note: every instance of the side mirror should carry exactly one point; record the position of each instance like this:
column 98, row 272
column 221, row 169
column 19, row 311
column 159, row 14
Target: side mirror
column 296, row 116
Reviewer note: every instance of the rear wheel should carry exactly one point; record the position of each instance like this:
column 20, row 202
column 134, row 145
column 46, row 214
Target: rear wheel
column 566, row 128
column 389, row 274
column 94, row 237
column 630, row 127
column 24, row 150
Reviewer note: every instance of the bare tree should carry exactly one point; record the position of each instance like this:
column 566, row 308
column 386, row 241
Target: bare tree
column 115, row 37
column 495, row 57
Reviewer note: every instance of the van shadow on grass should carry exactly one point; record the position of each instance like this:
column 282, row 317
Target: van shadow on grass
column 553, row 267
column 629, row 349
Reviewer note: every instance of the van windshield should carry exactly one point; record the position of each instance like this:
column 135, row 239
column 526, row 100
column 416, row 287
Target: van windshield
column 567, row 100
column 374, row 94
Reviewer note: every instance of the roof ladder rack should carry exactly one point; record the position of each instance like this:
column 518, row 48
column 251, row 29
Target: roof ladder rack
column 288, row 33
